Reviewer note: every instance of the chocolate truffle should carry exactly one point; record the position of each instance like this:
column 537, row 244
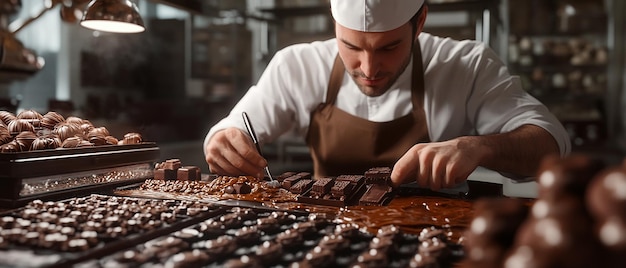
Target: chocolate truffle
column 606, row 196
column 25, row 140
column 566, row 176
column 132, row 138
column 20, row 125
column 10, row 147
column 51, row 119
column 74, row 120
column 45, row 142
column 269, row 252
column 7, row 117
column 31, row 116
column 5, row 136
column 66, row 130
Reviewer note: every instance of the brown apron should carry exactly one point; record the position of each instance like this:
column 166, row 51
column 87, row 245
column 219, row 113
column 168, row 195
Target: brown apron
column 341, row 143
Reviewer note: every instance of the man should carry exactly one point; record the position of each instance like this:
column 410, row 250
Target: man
column 382, row 93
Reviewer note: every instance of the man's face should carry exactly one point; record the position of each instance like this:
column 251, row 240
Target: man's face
column 375, row 60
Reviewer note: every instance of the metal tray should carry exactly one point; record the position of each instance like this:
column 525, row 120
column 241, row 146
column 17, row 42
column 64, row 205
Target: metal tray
column 62, row 173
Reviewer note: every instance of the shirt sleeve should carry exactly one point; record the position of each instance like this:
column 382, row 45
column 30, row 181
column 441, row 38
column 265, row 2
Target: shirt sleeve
column 482, row 97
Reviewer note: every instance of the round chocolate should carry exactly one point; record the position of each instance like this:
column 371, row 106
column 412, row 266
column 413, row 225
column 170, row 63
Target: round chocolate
column 66, row 130
column 25, row 140
column 223, row 245
column 334, row 242
column 319, row 257
column 194, row 258
column 110, row 140
column 606, row 196
column 247, row 236
column 45, row 142
column 496, row 221
column 269, row 252
column 566, row 176
column 71, row 142
column 132, row 138
column 51, row 119
column 7, row 117
column 612, row 234
column 5, row 135
column 10, row 147
column 289, row 238
column 74, row 120
column 372, row 258
column 243, row 262
column 20, row 125
column 423, row 261
column 268, row 225
column 31, row 116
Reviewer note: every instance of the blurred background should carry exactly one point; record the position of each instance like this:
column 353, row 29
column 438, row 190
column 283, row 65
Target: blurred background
column 196, row 58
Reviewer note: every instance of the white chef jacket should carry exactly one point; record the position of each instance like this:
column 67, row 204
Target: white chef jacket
column 468, row 91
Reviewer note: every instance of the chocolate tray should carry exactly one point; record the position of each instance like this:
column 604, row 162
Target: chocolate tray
column 255, row 237
column 62, row 173
column 63, row 233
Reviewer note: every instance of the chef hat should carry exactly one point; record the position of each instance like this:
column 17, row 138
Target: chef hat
column 374, row 15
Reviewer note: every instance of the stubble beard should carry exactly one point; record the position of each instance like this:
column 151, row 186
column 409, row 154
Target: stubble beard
column 377, row 91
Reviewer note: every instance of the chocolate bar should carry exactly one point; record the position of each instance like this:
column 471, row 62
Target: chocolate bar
column 341, row 189
column 378, row 175
column 322, row 186
column 376, row 195
column 301, row 186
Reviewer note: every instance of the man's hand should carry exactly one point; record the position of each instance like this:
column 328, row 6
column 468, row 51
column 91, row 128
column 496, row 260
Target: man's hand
column 437, row 165
column 444, row 164
column 232, row 152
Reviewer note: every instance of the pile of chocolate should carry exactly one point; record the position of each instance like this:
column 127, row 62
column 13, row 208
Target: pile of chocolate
column 578, row 220
column 84, row 224
column 30, row 131
column 247, row 237
column 370, row 189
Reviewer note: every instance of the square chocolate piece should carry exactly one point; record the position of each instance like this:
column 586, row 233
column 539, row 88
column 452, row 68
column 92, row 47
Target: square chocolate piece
column 301, row 186
column 322, row 186
column 172, row 164
column 355, row 180
column 287, row 183
column 378, row 175
column 188, row 173
column 165, row 174
column 285, row 175
column 376, row 195
column 341, row 189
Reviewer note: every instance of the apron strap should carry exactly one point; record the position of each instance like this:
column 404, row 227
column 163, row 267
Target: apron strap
column 417, row 80
column 334, row 83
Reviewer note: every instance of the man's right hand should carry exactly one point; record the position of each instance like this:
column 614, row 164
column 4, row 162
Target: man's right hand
column 231, row 152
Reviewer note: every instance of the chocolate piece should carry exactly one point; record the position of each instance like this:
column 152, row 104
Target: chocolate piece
column 334, row 243
column 372, row 258
column 172, row 164
column 221, row 246
column 51, row 119
column 193, row 258
column 322, row 186
column 243, row 262
column 5, row 136
column 97, row 137
column 376, row 195
column 378, row 175
column 433, row 247
column 289, row 238
column 606, row 195
column 32, row 116
column 67, row 130
column 20, row 125
column 188, row 173
column 110, row 140
column 285, row 175
column 424, row 261
column 319, row 257
column 25, row 140
column 301, row 186
column 269, row 252
column 132, row 138
column 268, row 225
column 10, row 147
column 290, row 182
column 355, row 180
column 72, row 142
column 247, row 236
column 566, row 176
column 45, row 142
column 341, row 189
column 7, row 117
column 74, row 120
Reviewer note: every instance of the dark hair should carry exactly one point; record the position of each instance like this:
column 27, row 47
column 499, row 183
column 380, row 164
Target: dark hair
column 415, row 19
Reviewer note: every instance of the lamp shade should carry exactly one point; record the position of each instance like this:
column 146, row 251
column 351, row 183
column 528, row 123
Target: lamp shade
column 118, row 16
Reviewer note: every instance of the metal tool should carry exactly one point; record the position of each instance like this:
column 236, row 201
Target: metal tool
column 246, row 121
